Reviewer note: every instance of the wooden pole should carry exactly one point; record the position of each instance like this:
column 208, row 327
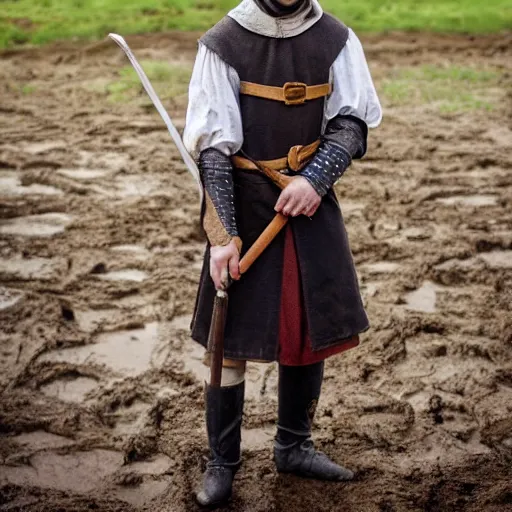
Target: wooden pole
column 220, row 305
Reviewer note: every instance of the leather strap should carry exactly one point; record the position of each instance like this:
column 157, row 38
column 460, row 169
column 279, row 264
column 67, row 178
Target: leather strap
column 292, row 93
column 297, row 158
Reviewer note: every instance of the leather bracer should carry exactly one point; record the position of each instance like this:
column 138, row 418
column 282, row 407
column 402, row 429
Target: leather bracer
column 219, row 219
column 350, row 133
column 344, row 139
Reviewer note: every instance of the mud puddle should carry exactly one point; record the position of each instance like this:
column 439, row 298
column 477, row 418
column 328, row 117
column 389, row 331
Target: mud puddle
column 475, row 200
column 127, row 353
column 127, row 274
column 45, row 224
column 79, row 472
column 19, row 268
column 41, row 440
column 10, row 185
column 137, row 251
column 70, row 389
column 382, row 267
column 84, row 174
column 424, row 298
column 498, row 259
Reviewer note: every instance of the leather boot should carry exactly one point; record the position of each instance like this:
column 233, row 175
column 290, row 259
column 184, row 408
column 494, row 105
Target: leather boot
column 294, row 451
column 224, row 410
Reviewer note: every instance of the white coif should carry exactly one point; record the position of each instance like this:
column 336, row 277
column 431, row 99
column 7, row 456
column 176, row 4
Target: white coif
column 251, row 17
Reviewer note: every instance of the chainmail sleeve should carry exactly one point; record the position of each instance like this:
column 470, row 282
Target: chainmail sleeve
column 344, row 139
column 219, row 218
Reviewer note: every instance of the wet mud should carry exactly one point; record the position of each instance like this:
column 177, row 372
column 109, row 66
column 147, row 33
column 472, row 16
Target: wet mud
column 101, row 394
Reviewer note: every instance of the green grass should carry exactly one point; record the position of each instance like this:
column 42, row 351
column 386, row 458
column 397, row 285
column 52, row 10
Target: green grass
column 43, row 21
column 169, row 81
column 448, row 88
column 28, row 89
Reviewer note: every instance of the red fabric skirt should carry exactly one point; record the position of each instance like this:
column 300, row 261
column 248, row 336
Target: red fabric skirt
column 294, row 343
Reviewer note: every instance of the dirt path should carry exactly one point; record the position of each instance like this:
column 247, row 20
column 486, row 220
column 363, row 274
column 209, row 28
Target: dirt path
column 101, row 392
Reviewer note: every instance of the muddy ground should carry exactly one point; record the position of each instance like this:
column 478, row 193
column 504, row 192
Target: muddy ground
column 101, row 403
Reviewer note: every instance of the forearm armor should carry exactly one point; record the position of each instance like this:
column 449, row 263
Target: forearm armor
column 344, row 140
column 350, row 133
column 219, row 218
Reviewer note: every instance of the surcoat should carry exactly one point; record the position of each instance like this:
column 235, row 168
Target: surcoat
column 332, row 302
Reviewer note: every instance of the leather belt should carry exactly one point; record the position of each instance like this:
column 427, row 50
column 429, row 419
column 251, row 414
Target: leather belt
column 292, row 93
column 297, row 158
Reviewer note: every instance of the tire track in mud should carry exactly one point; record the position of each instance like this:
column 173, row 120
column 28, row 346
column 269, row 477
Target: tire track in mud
column 100, row 254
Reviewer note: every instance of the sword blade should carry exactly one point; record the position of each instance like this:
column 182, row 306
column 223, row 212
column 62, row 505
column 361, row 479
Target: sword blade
column 189, row 161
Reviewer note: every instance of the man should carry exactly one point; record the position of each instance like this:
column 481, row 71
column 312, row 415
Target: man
column 277, row 83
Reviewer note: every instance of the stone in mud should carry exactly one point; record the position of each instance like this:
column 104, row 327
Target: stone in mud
column 99, row 268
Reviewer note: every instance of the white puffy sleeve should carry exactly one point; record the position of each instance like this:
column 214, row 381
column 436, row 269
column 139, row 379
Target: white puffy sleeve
column 353, row 89
column 213, row 115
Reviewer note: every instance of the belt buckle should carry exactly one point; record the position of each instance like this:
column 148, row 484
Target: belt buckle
column 294, row 93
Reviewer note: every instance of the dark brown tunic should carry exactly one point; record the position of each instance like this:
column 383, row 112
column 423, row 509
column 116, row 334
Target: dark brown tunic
column 332, row 301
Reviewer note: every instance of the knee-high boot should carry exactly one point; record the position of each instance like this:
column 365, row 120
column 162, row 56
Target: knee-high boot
column 294, row 452
column 224, row 410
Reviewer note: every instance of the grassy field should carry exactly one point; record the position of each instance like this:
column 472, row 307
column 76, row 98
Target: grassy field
column 442, row 88
column 43, row 21
column 448, row 89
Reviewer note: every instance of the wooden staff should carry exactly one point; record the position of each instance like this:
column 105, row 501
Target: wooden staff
column 220, row 305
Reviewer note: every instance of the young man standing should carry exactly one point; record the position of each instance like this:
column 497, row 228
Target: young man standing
column 278, row 83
